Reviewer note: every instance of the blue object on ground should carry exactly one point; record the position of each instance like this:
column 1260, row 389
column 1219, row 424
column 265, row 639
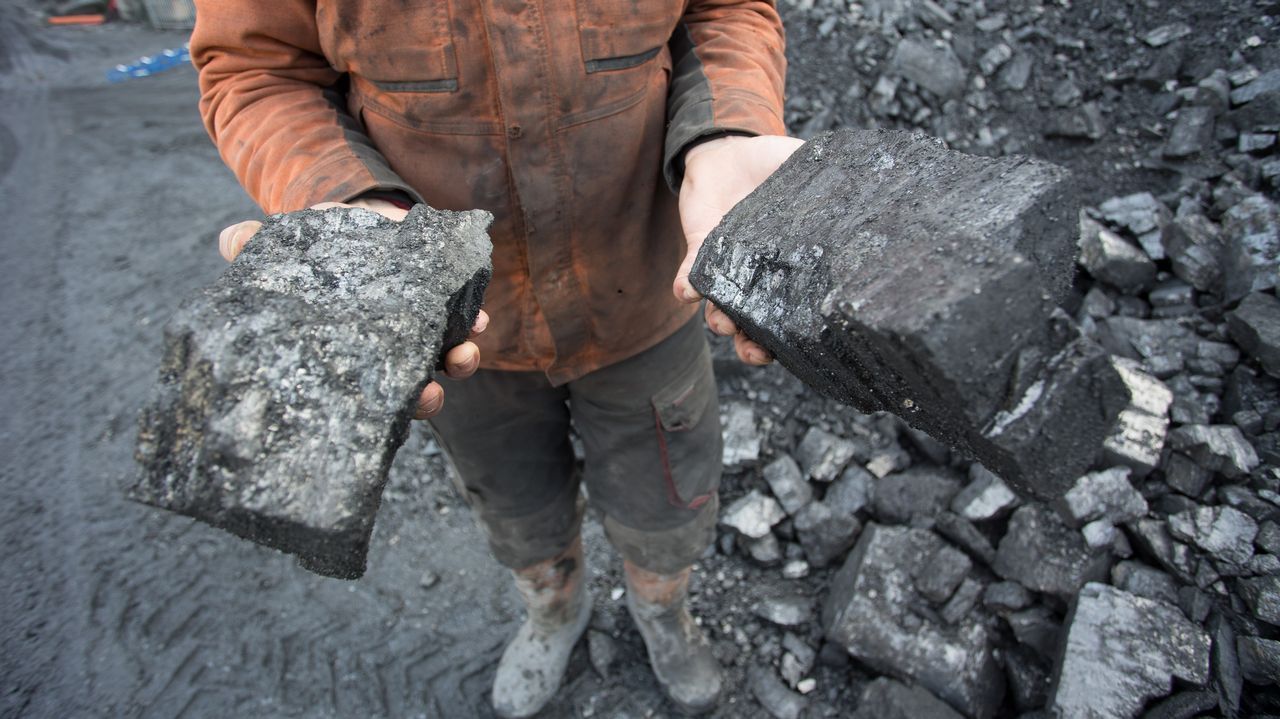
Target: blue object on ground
column 150, row 64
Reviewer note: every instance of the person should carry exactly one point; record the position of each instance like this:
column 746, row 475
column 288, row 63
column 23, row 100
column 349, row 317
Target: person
column 607, row 137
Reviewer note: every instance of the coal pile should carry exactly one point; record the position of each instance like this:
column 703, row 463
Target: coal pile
column 288, row 385
column 1151, row 587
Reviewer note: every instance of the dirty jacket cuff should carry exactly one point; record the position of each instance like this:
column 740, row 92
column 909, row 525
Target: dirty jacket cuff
column 343, row 179
column 695, row 122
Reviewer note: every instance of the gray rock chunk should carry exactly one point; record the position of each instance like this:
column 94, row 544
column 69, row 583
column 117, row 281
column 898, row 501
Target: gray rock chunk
column 919, row 491
column 1143, row 215
column 823, row 455
column 785, row 611
column 1191, row 132
column 985, row 497
column 1137, row 578
column 1138, row 437
column 1184, row 475
column 933, row 67
column 1005, row 597
column 1112, row 259
column 966, row 536
column 288, row 385
column 1122, row 650
column 885, row 698
column 940, row 574
column 603, row 652
column 1107, row 495
column 851, row 492
column 1043, row 554
column 941, row 312
column 787, row 484
column 1166, row 34
column 1255, row 326
column 1262, row 594
column 1266, row 83
column 825, row 534
column 962, row 601
column 1036, row 628
column 753, row 515
column 1152, row 537
column 1259, row 659
column 868, row 611
column 1195, row 250
column 1220, row 448
column 741, row 437
column 773, row 695
column 1084, row 122
column 1251, row 243
column 1224, row 532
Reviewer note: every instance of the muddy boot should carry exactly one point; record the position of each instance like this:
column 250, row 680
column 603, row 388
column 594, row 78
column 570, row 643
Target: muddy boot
column 559, row 609
column 678, row 650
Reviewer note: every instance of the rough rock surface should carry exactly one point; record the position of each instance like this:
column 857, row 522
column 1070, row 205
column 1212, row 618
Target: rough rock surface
column 1255, row 326
column 288, row 385
column 889, row 699
column 869, row 612
column 1122, row 650
column 1045, row 555
column 938, row 311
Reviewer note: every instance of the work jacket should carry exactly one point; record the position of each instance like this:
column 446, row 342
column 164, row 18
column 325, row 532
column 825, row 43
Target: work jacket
column 562, row 118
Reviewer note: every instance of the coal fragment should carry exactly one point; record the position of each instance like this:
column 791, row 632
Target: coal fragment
column 288, row 385
column 1262, row 594
column 985, row 497
column 1251, row 240
column 1083, row 123
column 773, row 695
column 753, row 515
column 1143, row 215
column 1043, row 554
column 1259, row 659
column 1112, row 259
column 966, row 536
column 1107, row 495
column 939, row 575
column 928, row 310
column 885, row 698
column 1220, row 448
column 1138, row 437
column 787, row 484
column 823, row 455
column 1122, row 650
column 1255, row 326
column 1183, row 705
column 785, row 611
column 1137, row 578
column 868, row 611
column 1191, row 132
column 919, row 491
column 933, row 67
column 826, row 534
column 741, row 437
column 1006, row 597
column 1225, row 532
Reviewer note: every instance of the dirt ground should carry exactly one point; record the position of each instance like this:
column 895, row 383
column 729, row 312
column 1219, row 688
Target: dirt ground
column 111, row 197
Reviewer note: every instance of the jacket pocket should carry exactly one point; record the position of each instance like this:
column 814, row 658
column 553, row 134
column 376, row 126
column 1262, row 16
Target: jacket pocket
column 408, row 50
column 622, row 34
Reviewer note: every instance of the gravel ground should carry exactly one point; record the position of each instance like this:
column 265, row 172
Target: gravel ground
column 112, row 197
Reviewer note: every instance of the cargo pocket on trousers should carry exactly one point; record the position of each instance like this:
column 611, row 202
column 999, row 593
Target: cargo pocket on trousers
column 687, row 422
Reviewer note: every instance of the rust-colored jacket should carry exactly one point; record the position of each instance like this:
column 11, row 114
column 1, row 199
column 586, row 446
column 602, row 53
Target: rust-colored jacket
column 559, row 117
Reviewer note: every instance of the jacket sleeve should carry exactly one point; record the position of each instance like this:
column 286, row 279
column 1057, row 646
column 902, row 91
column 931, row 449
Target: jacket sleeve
column 276, row 110
column 728, row 74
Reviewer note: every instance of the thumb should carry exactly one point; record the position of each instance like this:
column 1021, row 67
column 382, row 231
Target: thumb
column 682, row 288
column 233, row 239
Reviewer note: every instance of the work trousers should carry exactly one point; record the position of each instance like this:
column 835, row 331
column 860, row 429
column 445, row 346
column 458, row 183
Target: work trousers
column 650, row 432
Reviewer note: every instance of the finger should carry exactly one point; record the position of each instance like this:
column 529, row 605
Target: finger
column 719, row 322
column 482, row 321
column 682, row 288
column 328, row 205
column 462, row 361
column 750, row 352
column 430, row 403
column 233, row 239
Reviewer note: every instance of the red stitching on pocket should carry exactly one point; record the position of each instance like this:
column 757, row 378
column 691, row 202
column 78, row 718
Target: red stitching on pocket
column 673, row 495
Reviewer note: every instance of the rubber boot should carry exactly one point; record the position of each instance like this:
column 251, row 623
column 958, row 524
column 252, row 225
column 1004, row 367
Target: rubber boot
column 678, row 650
column 559, row 609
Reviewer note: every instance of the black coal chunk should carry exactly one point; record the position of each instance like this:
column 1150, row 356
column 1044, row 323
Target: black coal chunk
column 893, row 274
column 288, row 384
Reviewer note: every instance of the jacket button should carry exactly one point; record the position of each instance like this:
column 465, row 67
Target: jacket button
column 515, row 132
